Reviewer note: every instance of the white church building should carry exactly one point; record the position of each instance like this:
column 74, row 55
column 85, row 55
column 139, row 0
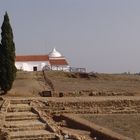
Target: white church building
column 53, row 61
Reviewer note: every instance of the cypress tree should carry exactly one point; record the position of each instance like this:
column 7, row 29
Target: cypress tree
column 7, row 56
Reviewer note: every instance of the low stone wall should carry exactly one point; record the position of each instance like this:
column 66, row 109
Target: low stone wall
column 48, row 81
column 86, row 93
column 3, row 134
column 96, row 131
column 103, row 106
column 5, row 105
column 50, row 125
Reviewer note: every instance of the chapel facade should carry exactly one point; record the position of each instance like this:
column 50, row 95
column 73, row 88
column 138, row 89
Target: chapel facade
column 53, row 61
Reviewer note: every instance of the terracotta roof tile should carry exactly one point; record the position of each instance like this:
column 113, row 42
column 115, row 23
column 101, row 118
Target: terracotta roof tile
column 32, row 58
column 58, row 62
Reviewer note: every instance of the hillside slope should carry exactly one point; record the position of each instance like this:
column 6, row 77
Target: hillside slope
column 28, row 84
column 74, row 84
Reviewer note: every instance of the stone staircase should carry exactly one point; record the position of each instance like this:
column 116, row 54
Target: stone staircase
column 23, row 124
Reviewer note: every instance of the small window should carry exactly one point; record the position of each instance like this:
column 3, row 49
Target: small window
column 35, row 68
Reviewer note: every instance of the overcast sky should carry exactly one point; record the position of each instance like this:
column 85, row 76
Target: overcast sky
column 100, row 35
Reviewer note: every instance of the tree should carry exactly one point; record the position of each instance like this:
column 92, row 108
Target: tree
column 7, row 56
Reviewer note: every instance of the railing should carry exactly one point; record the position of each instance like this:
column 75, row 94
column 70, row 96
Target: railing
column 68, row 69
column 74, row 69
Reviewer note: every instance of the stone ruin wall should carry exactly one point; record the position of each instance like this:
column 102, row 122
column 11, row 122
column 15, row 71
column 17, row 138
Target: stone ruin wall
column 68, row 110
column 97, row 107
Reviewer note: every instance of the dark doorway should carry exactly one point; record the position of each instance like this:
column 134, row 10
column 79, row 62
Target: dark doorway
column 34, row 68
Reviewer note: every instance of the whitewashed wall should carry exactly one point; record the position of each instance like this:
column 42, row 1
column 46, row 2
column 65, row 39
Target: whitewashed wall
column 61, row 68
column 29, row 66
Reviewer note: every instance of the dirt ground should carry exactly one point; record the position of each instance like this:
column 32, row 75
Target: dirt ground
column 126, row 124
column 30, row 84
column 27, row 84
column 100, row 84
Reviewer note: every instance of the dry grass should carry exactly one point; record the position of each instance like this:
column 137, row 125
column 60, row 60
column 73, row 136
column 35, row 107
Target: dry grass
column 31, row 83
column 128, row 125
column 119, row 83
column 27, row 84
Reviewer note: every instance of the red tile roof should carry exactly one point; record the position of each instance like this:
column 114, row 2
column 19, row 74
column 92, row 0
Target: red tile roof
column 58, row 62
column 32, row 58
column 41, row 58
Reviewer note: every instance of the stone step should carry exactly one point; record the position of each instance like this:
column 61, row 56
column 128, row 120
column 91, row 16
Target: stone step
column 32, row 135
column 16, row 116
column 19, row 108
column 38, row 138
column 24, row 125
